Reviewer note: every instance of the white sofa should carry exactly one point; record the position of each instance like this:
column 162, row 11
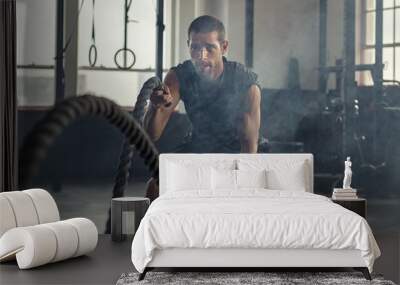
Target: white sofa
column 285, row 172
column 31, row 231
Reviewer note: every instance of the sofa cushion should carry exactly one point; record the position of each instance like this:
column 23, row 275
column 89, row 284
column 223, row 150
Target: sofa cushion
column 37, row 245
column 26, row 208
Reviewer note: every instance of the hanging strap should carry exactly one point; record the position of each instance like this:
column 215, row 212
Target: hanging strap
column 93, row 49
column 93, row 31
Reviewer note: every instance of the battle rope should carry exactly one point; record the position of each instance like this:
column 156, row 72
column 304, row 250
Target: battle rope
column 125, row 160
column 127, row 150
column 35, row 146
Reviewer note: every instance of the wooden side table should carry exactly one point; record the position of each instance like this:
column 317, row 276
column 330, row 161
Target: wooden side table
column 358, row 206
column 126, row 214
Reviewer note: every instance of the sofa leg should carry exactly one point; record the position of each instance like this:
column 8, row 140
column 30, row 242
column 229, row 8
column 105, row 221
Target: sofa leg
column 364, row 271
column 143, row 274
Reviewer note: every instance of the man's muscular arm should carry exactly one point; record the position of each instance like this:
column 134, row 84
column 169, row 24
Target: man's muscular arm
column 250, row 125
column 158, row 114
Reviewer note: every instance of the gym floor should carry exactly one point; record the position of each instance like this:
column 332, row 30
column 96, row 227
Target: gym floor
column 110, row 260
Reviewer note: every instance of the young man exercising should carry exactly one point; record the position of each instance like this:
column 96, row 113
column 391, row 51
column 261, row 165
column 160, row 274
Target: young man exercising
column 221, row 97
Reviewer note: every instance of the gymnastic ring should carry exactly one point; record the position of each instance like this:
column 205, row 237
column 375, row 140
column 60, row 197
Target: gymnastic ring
column 92, row 51
column 126, row 50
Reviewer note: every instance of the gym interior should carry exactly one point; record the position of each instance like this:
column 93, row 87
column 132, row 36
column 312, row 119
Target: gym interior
column 329, row 73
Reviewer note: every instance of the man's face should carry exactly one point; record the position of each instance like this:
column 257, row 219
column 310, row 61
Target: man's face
column 206, row 52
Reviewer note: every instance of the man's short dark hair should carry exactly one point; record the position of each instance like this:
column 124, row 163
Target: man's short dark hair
column 207, row 24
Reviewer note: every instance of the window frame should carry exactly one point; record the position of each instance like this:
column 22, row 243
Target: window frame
column 366, row 47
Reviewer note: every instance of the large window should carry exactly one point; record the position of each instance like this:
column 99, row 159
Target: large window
column 391, row 37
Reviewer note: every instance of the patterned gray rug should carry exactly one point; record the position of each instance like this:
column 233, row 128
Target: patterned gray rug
column 231, row 278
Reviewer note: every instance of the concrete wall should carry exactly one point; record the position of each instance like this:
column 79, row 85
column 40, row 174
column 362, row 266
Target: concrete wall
column 121, row 86
column 334, row 35
column 285, row 29
column 36, row 44
column 282, row 29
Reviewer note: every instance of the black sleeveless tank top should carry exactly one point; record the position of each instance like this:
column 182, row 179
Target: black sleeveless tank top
column 214, row 110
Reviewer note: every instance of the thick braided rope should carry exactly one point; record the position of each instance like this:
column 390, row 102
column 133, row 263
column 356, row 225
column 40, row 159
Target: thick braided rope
column 62, row 115
column 127, row 150
column 122, row 177
column 144, row 95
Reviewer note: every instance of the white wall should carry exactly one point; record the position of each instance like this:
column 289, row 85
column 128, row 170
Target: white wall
column 285, row 29
column 184, row 14
column 281, row 29
column 109, row 25
column 35, row 45
column 334, row 31
column 236, row 30
column 187, row 10
column 121, row 86
column 35, row 31
column 335, row 38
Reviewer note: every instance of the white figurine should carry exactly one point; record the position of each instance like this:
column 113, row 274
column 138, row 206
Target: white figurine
column 347, row 174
